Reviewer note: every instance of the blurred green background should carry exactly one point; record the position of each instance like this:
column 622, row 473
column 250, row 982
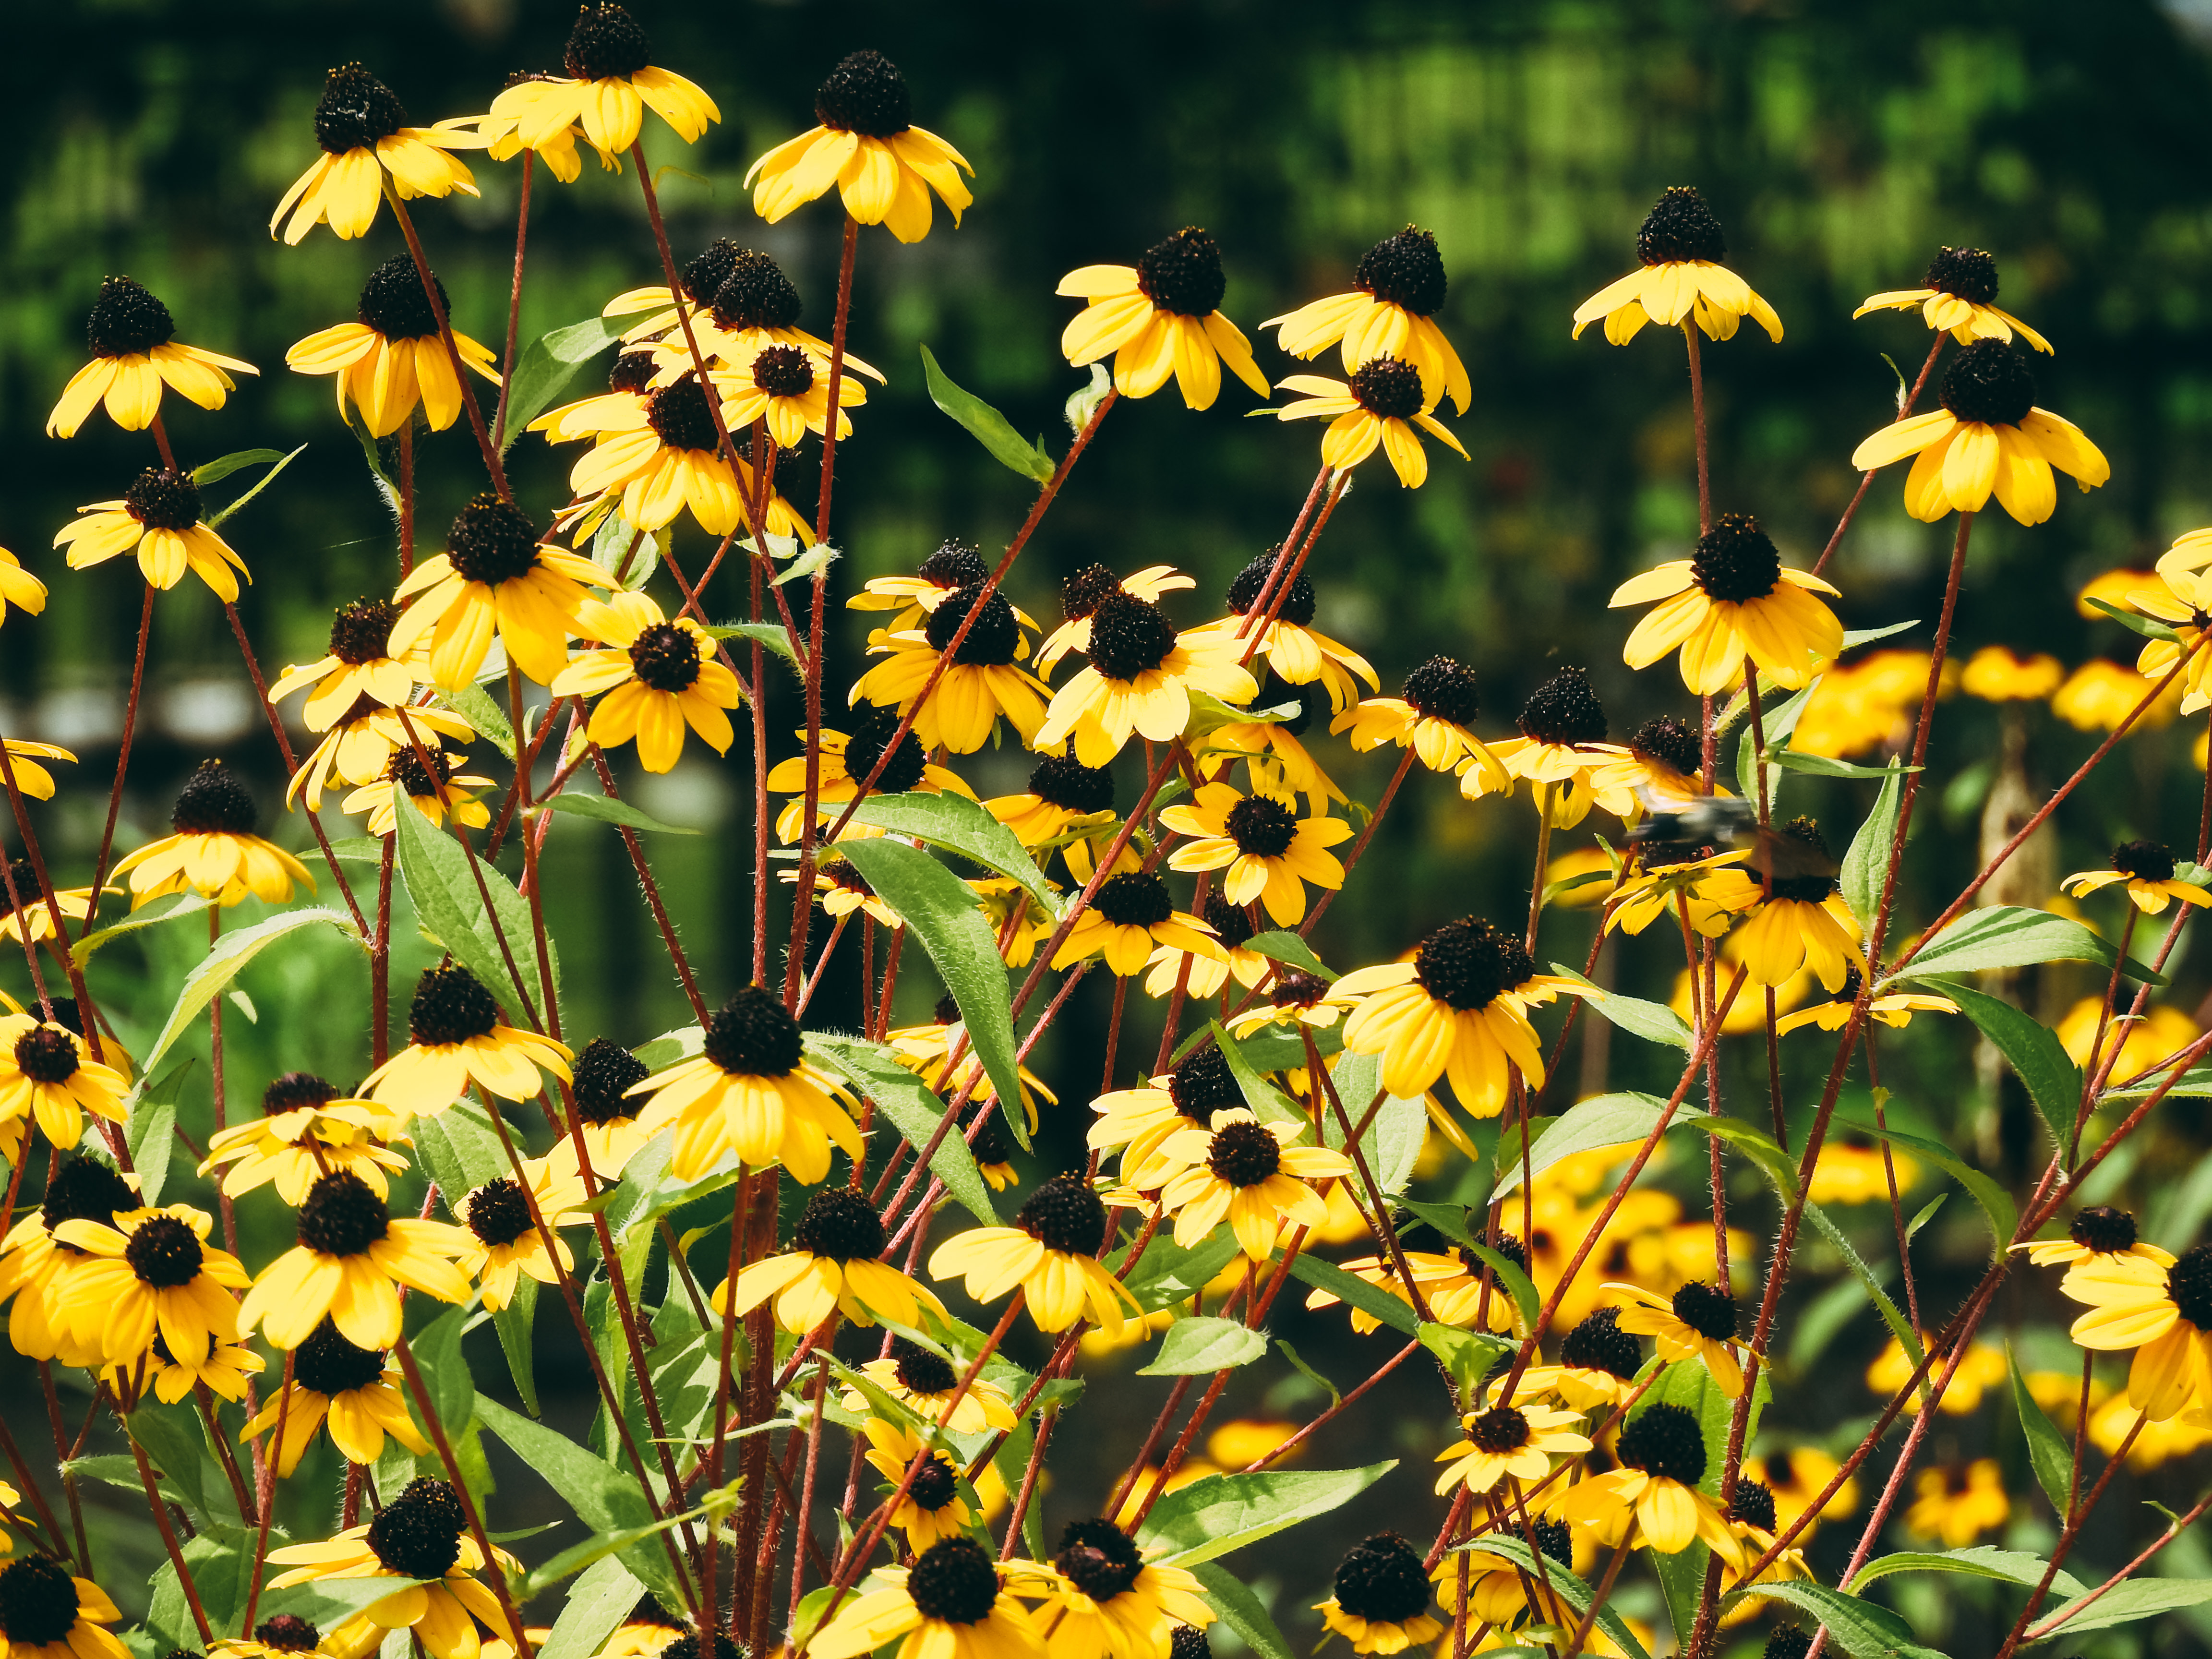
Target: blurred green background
column 1840, row 144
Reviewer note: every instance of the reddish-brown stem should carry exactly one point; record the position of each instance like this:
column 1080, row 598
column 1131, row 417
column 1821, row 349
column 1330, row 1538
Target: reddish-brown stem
column 1903, row 410
column 461, row 370
column 513, row 303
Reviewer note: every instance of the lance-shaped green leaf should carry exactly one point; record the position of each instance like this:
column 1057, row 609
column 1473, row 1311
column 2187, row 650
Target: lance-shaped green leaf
column 260, row 484
column 1776, row 725
column 2053, row 1080
column 2048, row 1453
column 1570, row 1588
column 2008, row 936
column 474, row 704
column 443, row 883
column 985, row 424
column 1467, row 1355
column 1268, row 1104
column 1289, row 948
column 2003, row 1216
column 1223, row 1512
column 1616, row 1120
column 1866, row 862
column 1398, row 1315
column 1899, row 1327
column 225, row 960
column 769, row 636
column 913, row 1109
column 2149, row 627
column 612, row 811
column 1392, row 1144
column 152, row 1132
column 1655, row 1021
column 1860, row 1629
column 1982, row 1561
column 187, row 904
column 1824, row 766
column 600, row 1600
column 548, row 363
column 605, row 1498
column 1199, row 1347
column 959, row 825
column 1242, row 1612
column 2125, row 1602
column 222, row 466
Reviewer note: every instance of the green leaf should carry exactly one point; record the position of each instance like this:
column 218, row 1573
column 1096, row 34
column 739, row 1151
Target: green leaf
column 1268, row 1104
column 176, row 1447
column 1572, row 1590
column 612, row 551
column 1866, row 864
column 2053, row 1080
column 220, row 1562
column 605, row 1498
column 1289, row 948
column 1346, row 1287
column 771, row 636
column 942, row 911
column 1239, row 1608
column 818, row 557
column 2195, row 1083
column 2048, row 1453
column 959, row 825
column 225, row 960
column 1467, row 1355
column 2009, row 936
column 1449, row 1219
column 1655, row 1021
column 546, row 366
column 359, row 849
column 437, row 1349
column 1199, row 1347
column 1823, row 766
column 1777, row 725
column 151, row 1135
column 187, row 904
column 1167, row 1273
column 1982, row 1561
column 1997, row 1204
column 598, row 1600
column 514, row 1323
column 328, row 1602
column 598, row 1547
column 1860, row 1628
column 985, row 424
column 1224, row 1512
column 2124, row 1603
column 1081, row 405
column 1392, row 1145
column 474, row 704
column 223, row 466
column 1927, row 1214
column 1829, row 1312
column 1777, row 1165
column 1899, row 1327
column 1209, row 713
column 913, row 1109
column 1856, row 637
column 260, row 485
column 447, row 904
column 612, row 811
column 1516, row 1281
column 1614, row 1119
column 1299, row 1365
column 2149, row 627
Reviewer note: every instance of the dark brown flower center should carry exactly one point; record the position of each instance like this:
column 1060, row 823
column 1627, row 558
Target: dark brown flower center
column 1672, row 743
column 1465, row 964
column 840, row 1225
column 757, row 294
column 753, row 1034
column 954, row 1582
column 418, row 1536
column 213, row 802
column 37, row 1602
column 163, row 500
column 1503, row 1430
column 1753, row 1504
column 451, row 1005
column 1382, row 1580
column 872, row 726
column 46, row 1054
column 1062, row 780
column 1183, row 274
column 287, row 1633
column 2103, row 1229
column 85, row 1190
column 492, row 542
column 498, row 1212
column 1297, row 604
column 327, row 1365
column 784, row 371
column 1680, row 227
column 1244, row 1154
column 1263, row 827
column 2189, row 1282
column 127, row 320
column 1665, row 1441
column 1563, row 709
column 1736, row 560
column 394, row 303
column 605, row 1074
column 605, row 42
column 1990, row 383
column 1065, row 1214
column 1707, row 1310
column 164, row 1253
column 361, row 632
column 355, row 111
column 1965, row 271
column 1135, row 898
column 1441, row 690
column 1099, row 1558
column 342, row 1215
column 866, row 95
column 666, row 658
column 1129, row 636
column 1390, row 387
column 680, row 418
column 2144, row 860
column 1086, row 590
column 1202, row 1084
column 1599, row 1344
column 1405, row 270
column 991, row 642
column 922, row 1370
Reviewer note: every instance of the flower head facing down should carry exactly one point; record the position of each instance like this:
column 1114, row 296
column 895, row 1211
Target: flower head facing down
column 362, row 132
column 47, row 1613
column 355, row 1390
column 158, row 519
column 1381, row 1597
column 885, row 168
column 952, row 1603
column 135, row 354
column 1398, row 288
column 1052, row 1251
column 48, row 1078
column 2147, row 869
column 213, row 851
column 1653, row 1497
column 752, row 1092
column 1734, row 601
column 457, row 1038
column 1959, row 292
column 1681, row 245
column 1160, row 317
column 609, row 84
column 392, row 359
column 1381, row 406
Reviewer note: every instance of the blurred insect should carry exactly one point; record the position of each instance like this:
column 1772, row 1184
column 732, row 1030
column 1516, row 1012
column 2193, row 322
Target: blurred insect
column 1724, row 822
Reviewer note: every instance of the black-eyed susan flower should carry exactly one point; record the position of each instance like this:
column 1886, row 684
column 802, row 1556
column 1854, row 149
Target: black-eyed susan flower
column 505, row 1242
column 751, row 1091
column 839, row 889
column 502, row 131
column 1598, row 1363
column 47, row 1613
column 1803, row 923
column 661, row 452
column 1295, row 651
column 835, row 1266
column 1051, row 1251
column 158, row 518
column 697, row 280
column 1989, row 436
column 420, row 1534
column 1062, row 792
column 359, row 664
column 1247, row 1173
column 844, row 759
column 1681, row 245
column 363, row 132
column 1268, row 851
column 1664, row 764
column 31, row 920
column 627, row 399
column 1435, row 718
column 788, row 386
column 955, row 565
column 926, row 1381
column 150, row 1271
column 1294, row 999
column 952, row 1603
column 599, row 1088
column 48, row 1077
column 612, row 82
column 35, row 1266
column 1510, row 1441
column 1398, row 287
column 436, row 790
column 1161, row 317
column 657, row 678
column 360, row 745
column 1139, row 1120
column 1127, row 916
column 135, row 354
column 393, row 359
column 1652, row 1498
column 1272, row 747
column 1752, row 1518
column 31, row 778
column 1996, row 673
column 356, row 1391
column 1459, row 1009
column 1139, row 681
column 1697, row 1322
column 2148, row 870
column 494, row 577
column 2101, row 693
column 1450, row 1286
column 1106, row 1599
column 1381, row 407
column 213, row 851
column 1735, row 599
column 982, row 681
column 1381, row 1597
column 1081, row 595
column 2096, row 1229
column 305, row 1129
column 755, row 307
column 1562, row 752
column 1958, row 1501
column 1499, row 1590
column 1894, row 1009
column 351, row 1251
column 226, row 1371
column 884, row 166
column 456, row 1038
column 2163, row 1313
column 932, row 1507
column 1233, row 930
column 1959, row 292
column 19, row 588
column 1714, row 891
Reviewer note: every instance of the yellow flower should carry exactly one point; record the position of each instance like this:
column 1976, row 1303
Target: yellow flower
column 1380, row 407
column 1652, row 1498
column 32, row 918
column 952, row 1603
column 2111, row 1424
column 2148, row 870
column 1107, row 1602
column 364, row 135
column 494, row 577
column 421, row 1534
column 1802, row 923
column 456, row 1038
column 2163, row 1313
column 1498, row 1590
column 2114, row 587
column 214, row 852
column 981, row 682
column 305, row 1130
column 358, row 664
column 844, row 759
column 835, row 1266
column 1127, row 916
column 359, row 747
column 35, row 1267
column 1983, row 1369
column 1697, row 1322
column 788, row 387
column 2179, row 602
column 1399, row 286
column 355, row 1390
column 225, row 1370
column 1795, row 1475
column 1246, row 1173
column 883, row 167
column 506, row 1243
column 1140, row 1121
column 923, row 1050
column 1859, row 706
column 1989, row 436
column 47, row 1077
column 841, row 890
column 1956, row 294
column 751, row 1091
column 1563, row 753
column 1958, row 1503
column 350, row 1250
column 925, row 1380
column 604, row 1074
column 1894, row 1009
column 955, row 565
column 1269, row 853
column 152, row 1271
column 18, row 586
column 58, row 1616
column 1714, row 891
column 1064, row 794
column 1435, row 718
column 2098, row 1230
column 1515, row 1442
column 658, row 447
column 1051, row 1251
column 1858, row 1175
column 1139, row 681
column 658, row 677
column 1997, row 674
column 394, row 358
column 2103, row 694
column 1734, row 600
column 134, row 355
column 1681, row 245
column 1081, row 594
column 610, row 85
column 502, row 133
column 753, row 307
column 158, row 519
column 932, row 1507
column 1381, row 1600
column 1161, row 317
column 434, row 797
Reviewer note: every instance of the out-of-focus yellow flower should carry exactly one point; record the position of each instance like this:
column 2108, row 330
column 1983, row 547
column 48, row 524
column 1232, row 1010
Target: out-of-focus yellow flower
column 2059, row 1394
column 1860, row 705
column 1589, row 862
column 1958, row 1504
column 1983, row 1369
column 1194, row 1469
column 1854, row 1175
column 2113, row 588
column 1345, row 1222
column 2158, row 1442
column 1235, row 1444
column 1995, row 674
column 1797, row 1475
column 2101, row 694
column 2156, row 1034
